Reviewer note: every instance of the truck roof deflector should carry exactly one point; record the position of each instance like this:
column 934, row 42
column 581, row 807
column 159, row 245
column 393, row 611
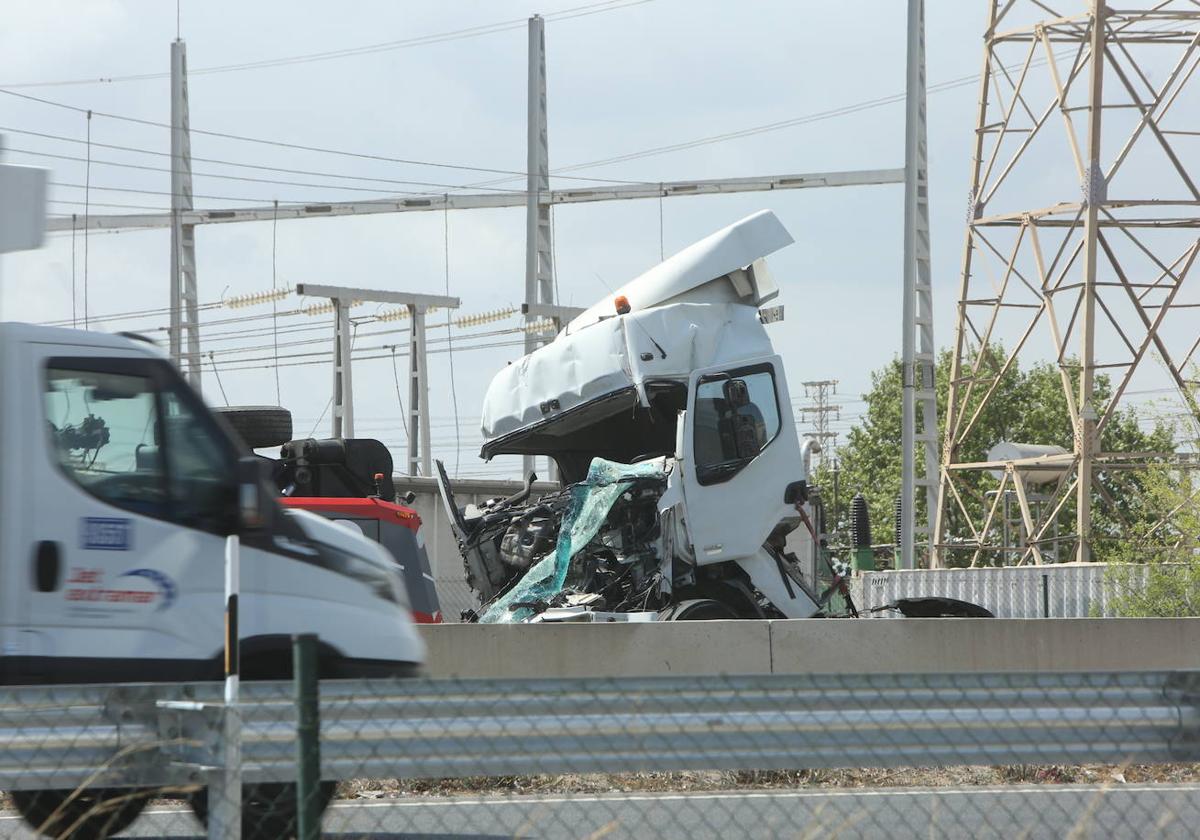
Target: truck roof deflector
column 728, row 250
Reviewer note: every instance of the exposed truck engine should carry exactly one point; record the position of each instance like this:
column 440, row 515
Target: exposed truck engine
column 666, row 411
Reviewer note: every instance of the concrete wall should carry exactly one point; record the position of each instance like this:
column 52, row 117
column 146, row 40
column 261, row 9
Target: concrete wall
column 813, row 646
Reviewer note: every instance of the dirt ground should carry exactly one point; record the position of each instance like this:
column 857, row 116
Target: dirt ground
column 768, row 779
column 757, row 780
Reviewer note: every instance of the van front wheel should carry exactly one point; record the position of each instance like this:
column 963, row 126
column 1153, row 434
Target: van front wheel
column 89, row 814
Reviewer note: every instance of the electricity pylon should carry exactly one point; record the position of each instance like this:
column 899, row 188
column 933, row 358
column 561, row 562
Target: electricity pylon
column 1081, row 229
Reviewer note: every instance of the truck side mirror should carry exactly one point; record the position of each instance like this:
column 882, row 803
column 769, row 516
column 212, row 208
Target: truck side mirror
column 736, row 394
column 251, row 506
column 795, row 492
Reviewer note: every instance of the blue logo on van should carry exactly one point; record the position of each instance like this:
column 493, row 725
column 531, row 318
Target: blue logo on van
column 164, row 583
column 106, row 533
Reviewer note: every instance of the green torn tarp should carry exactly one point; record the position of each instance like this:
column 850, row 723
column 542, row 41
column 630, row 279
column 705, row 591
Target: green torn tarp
column 591, row 500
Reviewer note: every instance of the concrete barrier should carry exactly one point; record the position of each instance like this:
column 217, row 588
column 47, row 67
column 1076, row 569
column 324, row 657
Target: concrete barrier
column 689, row 648
column 935, row 645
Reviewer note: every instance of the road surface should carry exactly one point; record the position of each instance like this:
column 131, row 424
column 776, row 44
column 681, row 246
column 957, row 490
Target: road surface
column 1043, row 811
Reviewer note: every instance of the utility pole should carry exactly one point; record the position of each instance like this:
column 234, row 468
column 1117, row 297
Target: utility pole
column 822, row 411
column 919, row 396
column 185, row 311
column 539, row 246
column 1096, row 272
column 416, row 307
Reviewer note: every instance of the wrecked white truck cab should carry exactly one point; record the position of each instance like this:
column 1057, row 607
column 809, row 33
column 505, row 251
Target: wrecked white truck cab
column 667, row 412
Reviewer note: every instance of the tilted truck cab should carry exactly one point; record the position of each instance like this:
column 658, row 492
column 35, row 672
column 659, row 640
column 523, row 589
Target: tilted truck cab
column 117, row 489
column 668, row 414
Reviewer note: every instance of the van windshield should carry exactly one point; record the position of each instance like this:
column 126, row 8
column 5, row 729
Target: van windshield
column 105, row 431
column 135, row 438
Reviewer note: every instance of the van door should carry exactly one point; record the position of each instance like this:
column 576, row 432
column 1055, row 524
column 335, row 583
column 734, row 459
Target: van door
column 129, row 495
column 739, row 454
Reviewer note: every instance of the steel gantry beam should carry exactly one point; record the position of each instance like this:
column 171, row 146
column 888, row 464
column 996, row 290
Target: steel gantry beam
column 343, row 298
column 489, row 200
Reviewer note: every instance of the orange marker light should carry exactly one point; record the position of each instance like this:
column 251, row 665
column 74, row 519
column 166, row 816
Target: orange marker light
column 622, row 304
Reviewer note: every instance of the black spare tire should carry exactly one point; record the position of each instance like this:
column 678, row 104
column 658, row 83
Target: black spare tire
column 259, row 426
column 938, row 607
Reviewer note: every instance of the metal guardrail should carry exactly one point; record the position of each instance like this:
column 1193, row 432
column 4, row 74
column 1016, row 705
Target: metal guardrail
column 168, row 735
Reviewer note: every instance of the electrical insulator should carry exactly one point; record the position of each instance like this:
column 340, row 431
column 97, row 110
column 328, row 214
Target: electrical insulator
column 255, row 298
column 899, row 519
column 860, row 522
column 393, row 314
column 318, row 308
column 480, row 318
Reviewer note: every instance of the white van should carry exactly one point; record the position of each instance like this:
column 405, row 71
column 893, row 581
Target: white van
column 117, row 490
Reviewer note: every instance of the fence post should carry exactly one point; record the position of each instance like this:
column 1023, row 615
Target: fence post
column 225, row 787
column 308, row 737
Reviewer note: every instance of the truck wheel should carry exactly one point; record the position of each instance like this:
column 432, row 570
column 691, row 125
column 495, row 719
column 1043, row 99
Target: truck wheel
column 699, row 609
column 269, row 810
column 259, row 426
column 93, row 814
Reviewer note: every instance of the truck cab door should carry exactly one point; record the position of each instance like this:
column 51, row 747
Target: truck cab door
column 739, row 453
column 128, row 487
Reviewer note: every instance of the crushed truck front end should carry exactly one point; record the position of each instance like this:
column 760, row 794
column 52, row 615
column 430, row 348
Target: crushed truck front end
column 667, row 412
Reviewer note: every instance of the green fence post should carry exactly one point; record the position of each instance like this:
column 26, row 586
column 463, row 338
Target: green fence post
column 308, row 737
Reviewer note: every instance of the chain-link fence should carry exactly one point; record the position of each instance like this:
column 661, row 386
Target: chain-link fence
column 455, row 595
column 1083, row 755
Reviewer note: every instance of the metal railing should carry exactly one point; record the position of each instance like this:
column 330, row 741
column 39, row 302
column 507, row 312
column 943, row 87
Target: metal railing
column 169, row 736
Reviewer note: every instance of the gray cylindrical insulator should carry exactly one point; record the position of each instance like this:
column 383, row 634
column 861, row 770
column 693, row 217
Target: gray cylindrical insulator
column 860, row 522
column 899, row 519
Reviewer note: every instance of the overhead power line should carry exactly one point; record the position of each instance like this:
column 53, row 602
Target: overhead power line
column 161, row 192
column 283, row 144
column 246, row 178
column 242, row 165
column 351, row 52
column 749, row 131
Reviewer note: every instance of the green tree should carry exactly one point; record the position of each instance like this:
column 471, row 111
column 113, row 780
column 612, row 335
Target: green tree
column 1028, row 406
column 1157, row 573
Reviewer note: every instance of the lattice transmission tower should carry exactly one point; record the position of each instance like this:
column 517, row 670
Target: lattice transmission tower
column 822, row 412
column 1081, row 236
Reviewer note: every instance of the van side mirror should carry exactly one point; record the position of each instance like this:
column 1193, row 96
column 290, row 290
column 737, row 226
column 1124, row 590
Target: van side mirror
column 736, row 394
column 251, row 506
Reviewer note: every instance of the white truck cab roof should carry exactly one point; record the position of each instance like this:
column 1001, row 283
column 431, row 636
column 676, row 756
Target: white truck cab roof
column 696, row 309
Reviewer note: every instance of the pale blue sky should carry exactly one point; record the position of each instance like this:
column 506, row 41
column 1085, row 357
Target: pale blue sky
column 620, row 81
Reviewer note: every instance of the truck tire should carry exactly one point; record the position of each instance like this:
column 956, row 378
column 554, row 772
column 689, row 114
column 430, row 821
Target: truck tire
column 698, row 609
column 269, row 810
column 95, row 813
column 259, row 426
